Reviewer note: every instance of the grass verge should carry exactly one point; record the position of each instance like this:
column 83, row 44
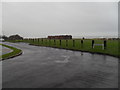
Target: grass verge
column 12, row 54
column 112, row 49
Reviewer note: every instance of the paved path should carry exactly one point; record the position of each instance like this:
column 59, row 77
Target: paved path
column 42, row 67
column 4, row 50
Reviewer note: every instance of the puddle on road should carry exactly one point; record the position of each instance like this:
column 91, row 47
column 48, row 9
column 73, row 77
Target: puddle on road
column 66, row 60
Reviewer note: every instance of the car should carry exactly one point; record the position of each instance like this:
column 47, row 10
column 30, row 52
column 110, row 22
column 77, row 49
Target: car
column 1, row 39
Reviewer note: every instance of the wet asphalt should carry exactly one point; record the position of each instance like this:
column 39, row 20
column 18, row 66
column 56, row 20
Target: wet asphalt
column 44, row 67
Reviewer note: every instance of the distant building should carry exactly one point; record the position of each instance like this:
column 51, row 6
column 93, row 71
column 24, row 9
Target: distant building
column 60, row 37
column 15, row 37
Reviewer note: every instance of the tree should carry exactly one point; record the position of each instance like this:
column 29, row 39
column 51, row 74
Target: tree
column 4, row 37
column 15, row 37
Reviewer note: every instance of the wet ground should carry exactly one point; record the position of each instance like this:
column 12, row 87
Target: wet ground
column 5, row 50
column 43, row 67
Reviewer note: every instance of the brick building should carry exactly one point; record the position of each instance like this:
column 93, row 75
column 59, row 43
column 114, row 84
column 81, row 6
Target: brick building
column 60, row 37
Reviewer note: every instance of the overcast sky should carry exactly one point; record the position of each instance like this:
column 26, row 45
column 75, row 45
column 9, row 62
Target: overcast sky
column 40, row 19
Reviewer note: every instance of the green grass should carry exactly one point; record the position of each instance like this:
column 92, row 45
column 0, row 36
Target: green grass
column 112, row 45
column 11, row 54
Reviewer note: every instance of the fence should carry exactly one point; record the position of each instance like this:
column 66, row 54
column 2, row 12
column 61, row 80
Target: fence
column 110, row 47
column 67, row 43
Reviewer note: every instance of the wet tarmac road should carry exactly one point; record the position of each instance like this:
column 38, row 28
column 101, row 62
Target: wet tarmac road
column 43, row 67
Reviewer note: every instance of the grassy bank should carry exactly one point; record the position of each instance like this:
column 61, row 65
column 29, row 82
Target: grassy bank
column 14, row 53
column 112, row 45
